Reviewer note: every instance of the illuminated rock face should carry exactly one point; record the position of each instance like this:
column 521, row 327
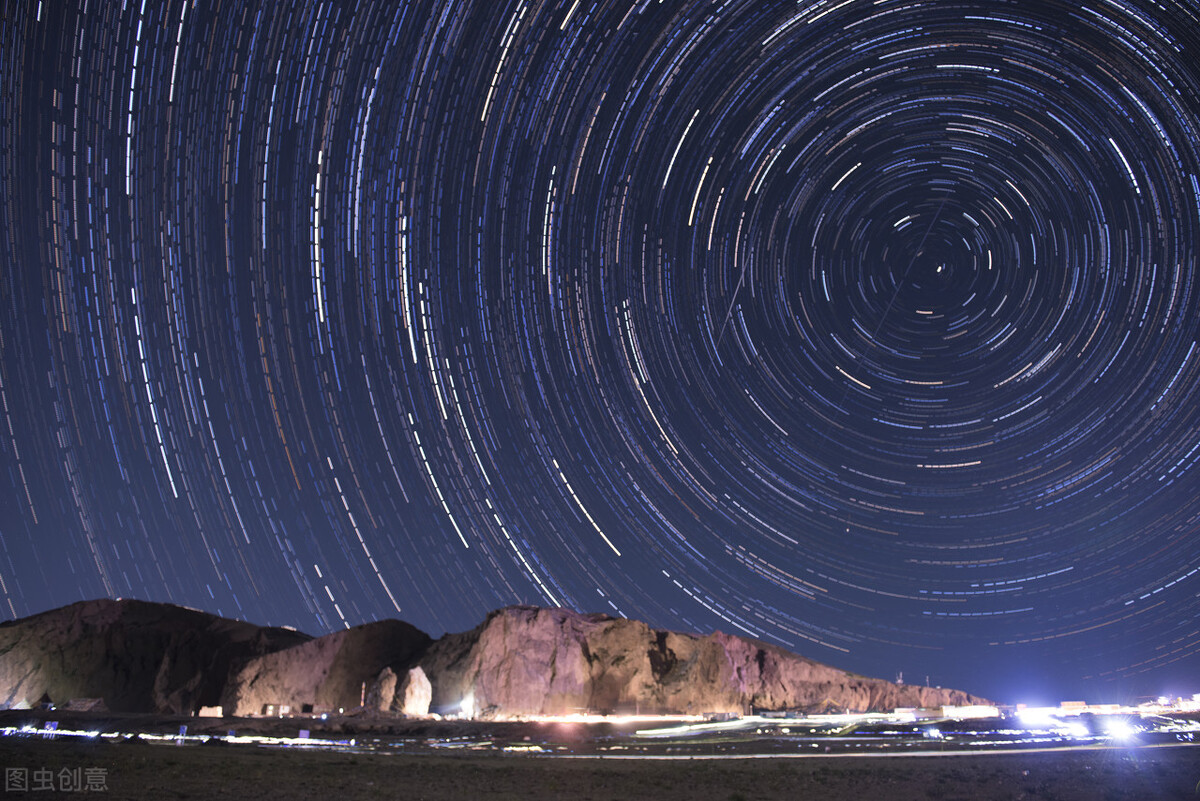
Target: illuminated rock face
column 525, row 660
column 415, row 694
column 146, row 657
column 328, row 673
column 136, row 656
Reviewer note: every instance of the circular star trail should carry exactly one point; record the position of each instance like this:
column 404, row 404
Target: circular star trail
column 865, row 328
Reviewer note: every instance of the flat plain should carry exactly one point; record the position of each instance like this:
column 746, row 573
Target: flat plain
column 143, row 770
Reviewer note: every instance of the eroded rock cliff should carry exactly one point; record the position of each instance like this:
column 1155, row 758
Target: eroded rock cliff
column 329, row 672
column 137, row 656
column 522, row 660
column 526, row 660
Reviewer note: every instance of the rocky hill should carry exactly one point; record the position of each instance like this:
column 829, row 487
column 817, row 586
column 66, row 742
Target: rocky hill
column 137, row 656
column 522, row 660
column 552, row 661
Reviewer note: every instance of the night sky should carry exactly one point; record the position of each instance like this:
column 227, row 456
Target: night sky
column 864, row 327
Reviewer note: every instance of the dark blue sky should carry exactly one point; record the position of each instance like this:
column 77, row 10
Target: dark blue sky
column 865, row 328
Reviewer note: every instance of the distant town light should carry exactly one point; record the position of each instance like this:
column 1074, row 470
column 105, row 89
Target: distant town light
column 1036, row 716
column 1120, row 729
column 1076, row 729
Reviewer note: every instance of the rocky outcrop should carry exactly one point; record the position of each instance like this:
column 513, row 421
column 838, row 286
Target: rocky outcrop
column 330, row 672
column 136, row 656
column 415, row 694
column 526, row 660
column 522, row 660
column 410, row 696
column 382, row 691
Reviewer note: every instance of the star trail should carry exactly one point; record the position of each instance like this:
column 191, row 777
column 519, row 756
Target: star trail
column 864, row 327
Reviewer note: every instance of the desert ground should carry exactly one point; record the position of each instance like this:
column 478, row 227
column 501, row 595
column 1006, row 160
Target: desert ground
column 144, row 770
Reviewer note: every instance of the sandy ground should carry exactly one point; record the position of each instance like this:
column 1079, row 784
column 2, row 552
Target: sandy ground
column 156, row 771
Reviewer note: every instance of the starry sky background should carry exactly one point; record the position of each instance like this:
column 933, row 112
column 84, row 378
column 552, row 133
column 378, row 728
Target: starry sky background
column 864, row 327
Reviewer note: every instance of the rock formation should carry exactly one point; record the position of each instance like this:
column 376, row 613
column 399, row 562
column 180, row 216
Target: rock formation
column 382, row 691
column 526, row 660
column 415, row 694
column 330, row 672
column 136, row 656
column 522, row 660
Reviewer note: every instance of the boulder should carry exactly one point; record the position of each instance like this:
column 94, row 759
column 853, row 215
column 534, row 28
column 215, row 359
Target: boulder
column 415, row 693
column 382, row 692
